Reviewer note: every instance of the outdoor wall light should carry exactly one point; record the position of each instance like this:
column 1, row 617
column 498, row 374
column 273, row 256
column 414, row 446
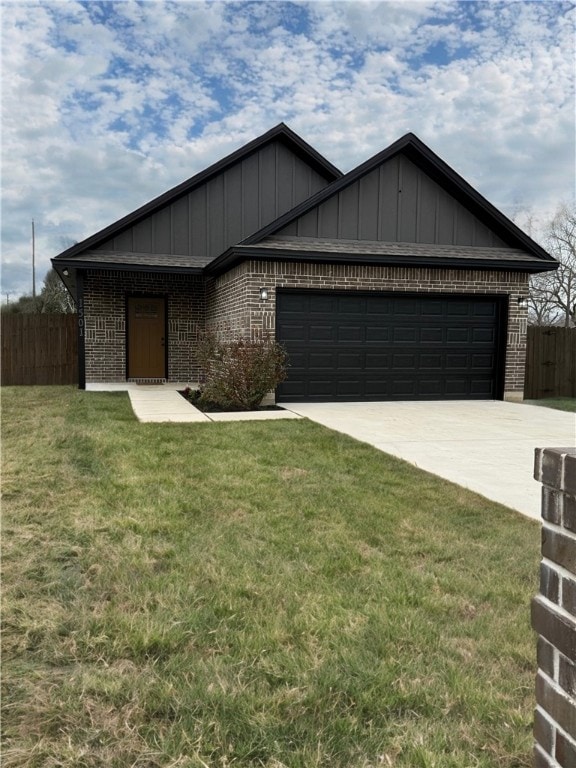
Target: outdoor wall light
column 65, row 272
column 263, row 294
column 522, row 302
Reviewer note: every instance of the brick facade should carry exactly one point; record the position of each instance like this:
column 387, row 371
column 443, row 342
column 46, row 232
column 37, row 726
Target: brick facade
column 230, row 305
column 554, row 612
column 233, row 305
column 105, row 294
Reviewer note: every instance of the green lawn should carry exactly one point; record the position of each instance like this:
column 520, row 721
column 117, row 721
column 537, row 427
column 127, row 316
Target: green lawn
column 559, row 403
column 251, row 594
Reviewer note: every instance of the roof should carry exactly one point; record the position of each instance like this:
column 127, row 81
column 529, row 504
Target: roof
column 163, row 261
column 523, row 254
column 282, row 248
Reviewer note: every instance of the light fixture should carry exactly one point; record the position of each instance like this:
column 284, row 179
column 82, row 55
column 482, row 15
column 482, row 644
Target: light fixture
column 65, row 272
column 263, row 294
column 522, row 302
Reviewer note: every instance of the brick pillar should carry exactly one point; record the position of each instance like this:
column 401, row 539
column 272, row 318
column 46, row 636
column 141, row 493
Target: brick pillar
column 554, row 612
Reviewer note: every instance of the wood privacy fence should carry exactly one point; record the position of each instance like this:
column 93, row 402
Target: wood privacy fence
column 550, row 362
column 39, row 349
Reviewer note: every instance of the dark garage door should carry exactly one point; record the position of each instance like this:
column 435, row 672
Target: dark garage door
column 355, row 346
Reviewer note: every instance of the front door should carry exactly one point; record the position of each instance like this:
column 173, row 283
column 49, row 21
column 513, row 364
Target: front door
column 146, row 338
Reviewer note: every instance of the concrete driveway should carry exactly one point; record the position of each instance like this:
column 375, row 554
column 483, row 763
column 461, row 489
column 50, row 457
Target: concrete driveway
column 486, row 446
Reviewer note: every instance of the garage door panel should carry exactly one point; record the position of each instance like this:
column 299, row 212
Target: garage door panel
column 482, row 362
column 458, row 308
column 430, row 387
column 321, row 333
column 377, row 361
column 486, row 309
column 403, row 388
column 404, row 362
column 295, row 303
column 378, row 333
column 432, row 335
column 322, row 304
column 379, row 305
column 350, row 305
column 404, row 307
column 403, row 335
column 456, row 387
column 350, row 361
column 298, row 361
column 376, row 388
column 481, row 387
column 350, row 333
column 457, row 361
column 483, row 335
column 428, row 362
column 432, row 308
column 457, row 335
column 321, row 360
column 350, row 389
column 349, row 346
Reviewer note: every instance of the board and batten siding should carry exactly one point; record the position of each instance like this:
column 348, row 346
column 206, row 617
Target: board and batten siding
column 225, row 209
column 396, row 202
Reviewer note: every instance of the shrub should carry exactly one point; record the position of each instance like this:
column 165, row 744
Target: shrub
column 238, row 374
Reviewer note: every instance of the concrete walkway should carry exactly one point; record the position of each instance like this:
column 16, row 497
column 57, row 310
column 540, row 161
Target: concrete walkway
column 161, row 403
column 485, row 446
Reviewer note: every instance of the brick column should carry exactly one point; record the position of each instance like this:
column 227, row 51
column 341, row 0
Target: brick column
column 554, row 612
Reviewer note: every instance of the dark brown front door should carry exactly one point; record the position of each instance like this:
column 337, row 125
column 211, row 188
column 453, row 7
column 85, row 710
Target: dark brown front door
column 146, row 338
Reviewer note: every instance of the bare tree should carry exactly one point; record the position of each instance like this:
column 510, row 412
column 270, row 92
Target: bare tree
column 52, row 299
column 54, row 295
column 552, row 299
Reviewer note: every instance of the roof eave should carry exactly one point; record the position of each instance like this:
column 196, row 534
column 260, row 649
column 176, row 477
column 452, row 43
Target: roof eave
column 234, row 256
column 74, row 264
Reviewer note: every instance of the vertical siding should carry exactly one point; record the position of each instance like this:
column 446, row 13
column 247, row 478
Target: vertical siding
column 197, row 211
column 396, row 202
column 233, row 197
column 161, row 231
column 143, row 236
column 227, row 208
column 328, row 218
column 180, row 223
column 216, row 215
column 250, row 177
column 388, row 208
column 368, row 204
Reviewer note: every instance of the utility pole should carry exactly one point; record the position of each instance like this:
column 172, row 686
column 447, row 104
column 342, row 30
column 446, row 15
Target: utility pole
column 33, row 262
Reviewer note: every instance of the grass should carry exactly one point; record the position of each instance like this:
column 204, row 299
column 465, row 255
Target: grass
column 560, row 403
column 264, row 594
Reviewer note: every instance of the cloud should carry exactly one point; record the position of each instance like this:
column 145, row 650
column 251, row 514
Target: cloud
column 107, row 105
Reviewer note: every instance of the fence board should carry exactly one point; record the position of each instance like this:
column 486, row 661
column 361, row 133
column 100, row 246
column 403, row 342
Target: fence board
column 39, row 349
column 550, row 362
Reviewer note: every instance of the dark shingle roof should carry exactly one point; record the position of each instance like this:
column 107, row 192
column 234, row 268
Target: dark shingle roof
column 132, row 258
column 380, row 248
column 326, row 250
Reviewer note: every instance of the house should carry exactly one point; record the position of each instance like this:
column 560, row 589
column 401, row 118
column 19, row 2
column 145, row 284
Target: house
column 396, row 280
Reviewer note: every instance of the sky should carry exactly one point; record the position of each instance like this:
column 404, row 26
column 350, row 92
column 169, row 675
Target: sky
column 106, row 105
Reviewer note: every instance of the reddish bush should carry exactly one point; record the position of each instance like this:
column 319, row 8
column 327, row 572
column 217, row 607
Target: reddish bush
column 238, row 374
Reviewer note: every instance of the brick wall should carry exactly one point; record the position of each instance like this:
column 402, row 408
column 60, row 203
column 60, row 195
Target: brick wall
column 554, row 612
column 233, row 305
column 105, row 321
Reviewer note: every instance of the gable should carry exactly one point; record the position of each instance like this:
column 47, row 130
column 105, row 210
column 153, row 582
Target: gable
column 395, row 202
column 226, row 208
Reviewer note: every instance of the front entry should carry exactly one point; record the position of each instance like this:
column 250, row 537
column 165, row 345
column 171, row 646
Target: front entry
column 146, row 337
